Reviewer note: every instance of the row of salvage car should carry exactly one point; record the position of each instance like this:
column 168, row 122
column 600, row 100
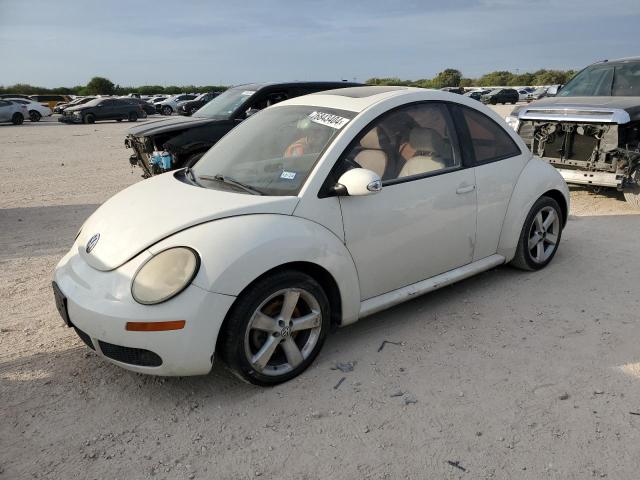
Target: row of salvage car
column 588, row 129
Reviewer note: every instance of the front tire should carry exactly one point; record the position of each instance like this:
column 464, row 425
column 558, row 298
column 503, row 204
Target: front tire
column 167, row 110
column 89, row 118
column 17, row 119
column 276, row 328
column 540, row 235
column 34, row 116
column 632, row 192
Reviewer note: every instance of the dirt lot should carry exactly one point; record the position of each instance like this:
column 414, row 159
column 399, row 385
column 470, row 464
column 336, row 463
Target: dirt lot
column 506, row 375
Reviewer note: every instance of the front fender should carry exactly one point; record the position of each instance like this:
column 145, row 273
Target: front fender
column 235, row 251
column 537, row 178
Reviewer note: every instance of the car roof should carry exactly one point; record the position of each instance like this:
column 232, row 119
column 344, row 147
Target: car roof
column 618, row 60
column 301, row 83
column 358, row 99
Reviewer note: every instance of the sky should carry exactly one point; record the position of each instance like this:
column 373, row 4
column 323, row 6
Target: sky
column 53, row 43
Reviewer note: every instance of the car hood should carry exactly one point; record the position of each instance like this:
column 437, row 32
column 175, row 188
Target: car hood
column 153, row 127
column 630, row 105
column 75, row 108
column 154, row 209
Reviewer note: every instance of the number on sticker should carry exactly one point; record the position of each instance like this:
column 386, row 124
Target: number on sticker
column 328, row 119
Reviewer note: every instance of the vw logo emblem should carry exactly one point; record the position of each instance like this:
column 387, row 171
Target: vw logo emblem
column 92, row 242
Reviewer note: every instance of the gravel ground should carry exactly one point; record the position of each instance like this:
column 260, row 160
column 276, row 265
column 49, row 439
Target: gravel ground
column 505, row 375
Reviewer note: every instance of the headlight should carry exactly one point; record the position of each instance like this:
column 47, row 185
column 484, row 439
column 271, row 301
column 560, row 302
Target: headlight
column 512, row 121
column 165, row 275
column 78, row 113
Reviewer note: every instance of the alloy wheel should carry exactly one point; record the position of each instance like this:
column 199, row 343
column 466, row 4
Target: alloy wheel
column 543, row 234
column 283, row 331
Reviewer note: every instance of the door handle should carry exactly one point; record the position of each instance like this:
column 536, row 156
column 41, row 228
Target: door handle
column 465, row 189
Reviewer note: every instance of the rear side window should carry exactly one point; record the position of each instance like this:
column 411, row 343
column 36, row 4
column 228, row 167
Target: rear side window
column 489, row 141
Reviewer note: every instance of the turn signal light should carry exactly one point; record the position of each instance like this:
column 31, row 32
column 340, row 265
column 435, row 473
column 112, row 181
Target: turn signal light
column 155, row 326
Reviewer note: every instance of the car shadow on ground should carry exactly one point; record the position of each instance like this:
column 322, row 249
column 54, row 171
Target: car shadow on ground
column 40, row 231
column 599, row 192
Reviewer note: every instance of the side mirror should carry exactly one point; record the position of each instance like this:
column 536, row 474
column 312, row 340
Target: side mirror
column 358, row 182
column 552, row 91
column 251, row 111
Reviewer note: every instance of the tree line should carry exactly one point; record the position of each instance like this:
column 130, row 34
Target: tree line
column 104, row 86
column 452, row 77
column 449, row 77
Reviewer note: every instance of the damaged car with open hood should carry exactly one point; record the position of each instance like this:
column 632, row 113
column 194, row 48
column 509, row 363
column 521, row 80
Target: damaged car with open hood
column 177, row 142
column 590, row 128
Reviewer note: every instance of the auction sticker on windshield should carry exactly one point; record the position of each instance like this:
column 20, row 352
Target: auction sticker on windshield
column 246, row 93
column 328, row 120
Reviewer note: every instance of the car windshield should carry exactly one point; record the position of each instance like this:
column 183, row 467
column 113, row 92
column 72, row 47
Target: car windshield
column 273, row 152
column 495, row 92
column 605, row 80
column 225, row 104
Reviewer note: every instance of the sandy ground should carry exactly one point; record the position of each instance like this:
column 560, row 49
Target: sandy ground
column 506, row 375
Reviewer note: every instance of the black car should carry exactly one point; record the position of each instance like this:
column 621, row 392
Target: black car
column 176, row 142
column 500, row 95
column 102, row 109
column 187, row 108
column 458, row 90
column 146, row 106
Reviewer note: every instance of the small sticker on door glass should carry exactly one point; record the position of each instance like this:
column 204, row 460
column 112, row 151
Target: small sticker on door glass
column 246, row 93
column 288, row 175
column 328, row 119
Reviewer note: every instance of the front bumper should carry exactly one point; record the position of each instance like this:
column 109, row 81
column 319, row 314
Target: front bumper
column 99, row 304
column 601, row 179
column 69, row 118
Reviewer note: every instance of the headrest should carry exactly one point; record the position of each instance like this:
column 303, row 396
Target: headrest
column 426, row 140
column 371, row 140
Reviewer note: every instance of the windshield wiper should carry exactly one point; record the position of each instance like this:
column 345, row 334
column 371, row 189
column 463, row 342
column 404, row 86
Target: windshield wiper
column 192, row 176
column 231, row 181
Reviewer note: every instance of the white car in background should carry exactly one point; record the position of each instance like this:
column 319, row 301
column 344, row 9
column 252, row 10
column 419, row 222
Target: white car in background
column 11, row 111
column 35, row 109
column 523, row 94
column 317, row 211
column 170, row 105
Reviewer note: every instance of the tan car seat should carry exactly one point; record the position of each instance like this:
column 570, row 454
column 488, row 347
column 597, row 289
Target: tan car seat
column 429, row 148
column 372, row 157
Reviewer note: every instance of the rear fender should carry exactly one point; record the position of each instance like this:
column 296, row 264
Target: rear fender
column 537, row 178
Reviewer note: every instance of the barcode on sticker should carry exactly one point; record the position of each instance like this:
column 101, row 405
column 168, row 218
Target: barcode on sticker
column 328, row 119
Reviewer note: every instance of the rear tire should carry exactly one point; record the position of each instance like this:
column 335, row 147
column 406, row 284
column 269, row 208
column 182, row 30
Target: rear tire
column 17, row 119
column 276, row 328
column 133, row 117
column 540, row 235
column 34, row 116
column 89, row 118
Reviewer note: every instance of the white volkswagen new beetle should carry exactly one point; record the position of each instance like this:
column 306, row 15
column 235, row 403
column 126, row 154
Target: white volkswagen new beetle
column 317, row 211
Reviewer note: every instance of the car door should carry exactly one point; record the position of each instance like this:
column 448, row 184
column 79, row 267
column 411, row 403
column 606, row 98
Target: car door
column 497, row 163
column 5, row 111
column 423, row 221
